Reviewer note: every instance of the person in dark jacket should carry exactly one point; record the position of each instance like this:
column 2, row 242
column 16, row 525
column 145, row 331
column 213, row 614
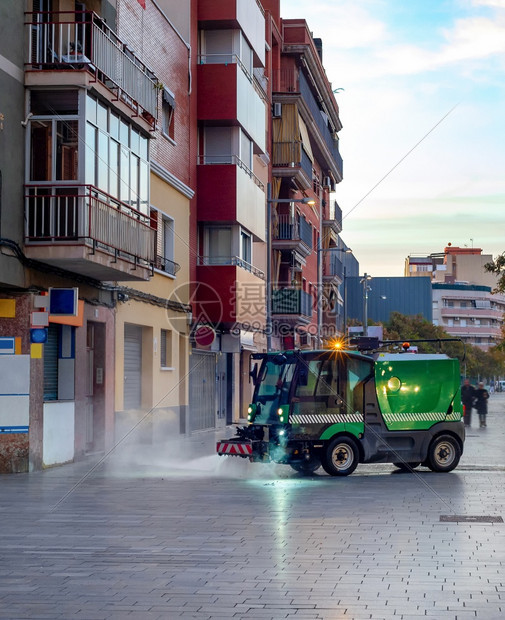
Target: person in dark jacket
column 467, row 398
column 481, row 398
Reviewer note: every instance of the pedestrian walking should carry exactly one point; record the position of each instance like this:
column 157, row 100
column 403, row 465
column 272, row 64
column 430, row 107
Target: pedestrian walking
column 467, row 398
column 481, row 398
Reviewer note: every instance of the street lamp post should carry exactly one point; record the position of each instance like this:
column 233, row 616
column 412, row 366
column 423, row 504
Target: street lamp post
column 307, row 201
column 365, row 280
column 320, row 286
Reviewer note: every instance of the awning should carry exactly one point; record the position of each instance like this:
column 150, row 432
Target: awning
column 305, row 137
column 169, row 98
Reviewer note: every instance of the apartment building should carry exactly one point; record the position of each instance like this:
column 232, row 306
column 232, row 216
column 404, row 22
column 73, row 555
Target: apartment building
column 306, row 167
column 462, row 294
column 143, row 143
column 96, row 192
column 232, row 176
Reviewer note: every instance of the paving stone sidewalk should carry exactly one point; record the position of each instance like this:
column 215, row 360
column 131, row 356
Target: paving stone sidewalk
column 178, row 532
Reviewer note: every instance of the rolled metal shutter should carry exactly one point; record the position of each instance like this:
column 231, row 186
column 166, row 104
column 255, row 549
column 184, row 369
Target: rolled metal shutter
column 132, row 366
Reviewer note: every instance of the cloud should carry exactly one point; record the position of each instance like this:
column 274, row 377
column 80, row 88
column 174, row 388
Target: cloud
column 348, row 24
column 401, row 76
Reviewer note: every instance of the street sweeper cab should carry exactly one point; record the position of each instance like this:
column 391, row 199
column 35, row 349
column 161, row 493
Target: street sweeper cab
column 341, row 407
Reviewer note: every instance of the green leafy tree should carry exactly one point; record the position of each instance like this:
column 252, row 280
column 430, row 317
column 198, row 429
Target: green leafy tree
column 475, row 361
column 497, row 266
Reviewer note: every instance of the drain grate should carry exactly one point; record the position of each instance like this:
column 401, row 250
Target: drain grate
column 470, row 519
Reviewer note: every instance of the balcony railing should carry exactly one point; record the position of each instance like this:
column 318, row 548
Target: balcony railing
column 333, row 267
column 166, row 265
column 235, row 261
column 290, row 155
column 293, row 81
column 84, row 214
column 293, row 229
column 285, row 81
column 336, row 213
column 229, row 160
column 320, row 121
column 291, row 301
column 77, row 40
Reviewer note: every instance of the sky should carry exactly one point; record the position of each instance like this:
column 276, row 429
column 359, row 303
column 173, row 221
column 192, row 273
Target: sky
column 422, row 102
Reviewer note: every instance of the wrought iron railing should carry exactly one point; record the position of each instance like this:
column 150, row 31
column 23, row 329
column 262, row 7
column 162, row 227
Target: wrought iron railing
column 332, row 265
column 83, row 213
column 166, row 265
column 230, row 260
column 63, row 40
column 291, row 155
column 291, row 301
column 293, row 228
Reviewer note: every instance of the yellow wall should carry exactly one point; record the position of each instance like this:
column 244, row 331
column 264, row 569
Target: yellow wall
column 161, row 387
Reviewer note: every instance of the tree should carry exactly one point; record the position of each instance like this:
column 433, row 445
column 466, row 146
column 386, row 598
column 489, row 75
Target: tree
column 475, row 361
column 497, row 266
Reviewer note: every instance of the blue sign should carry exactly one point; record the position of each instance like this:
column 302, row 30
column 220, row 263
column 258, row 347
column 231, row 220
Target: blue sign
column 38, row 335
column 63, row 301
column 7, row 346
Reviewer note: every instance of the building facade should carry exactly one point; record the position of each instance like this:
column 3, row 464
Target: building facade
column 409, row 296
column 171, row 166
column 463, row 302
column 306, row 166
column 96, row 164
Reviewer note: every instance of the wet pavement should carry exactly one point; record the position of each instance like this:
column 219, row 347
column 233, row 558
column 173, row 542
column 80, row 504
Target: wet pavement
column 178, row 532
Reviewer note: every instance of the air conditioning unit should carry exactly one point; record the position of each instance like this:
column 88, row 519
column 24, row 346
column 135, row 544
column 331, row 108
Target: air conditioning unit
column 326, row 182
column 277, row 110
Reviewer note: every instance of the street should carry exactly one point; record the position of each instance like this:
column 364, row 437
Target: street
column 178, row 532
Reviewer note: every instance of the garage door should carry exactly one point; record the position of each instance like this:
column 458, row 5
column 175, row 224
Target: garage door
column 202, row 390
column 132, row 366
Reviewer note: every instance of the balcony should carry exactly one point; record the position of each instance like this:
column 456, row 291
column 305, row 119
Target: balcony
column 81, row 229
column 292, row 83
column 476, row 313
column 246, row 15
column 294, row 305
column 228, row 94
column 166, row 265
column 231, row 260
column 230, row 192
column 290, row 160
column 230, row 291
column 74, row 41
column 333, row 224
column 332, row 268
column 292, row 233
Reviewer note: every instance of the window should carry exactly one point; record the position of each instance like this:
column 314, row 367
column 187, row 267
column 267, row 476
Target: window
column 219, row 245
column 166, row 348
column 246, row 55
column 168, row 114
column 245, row 247
column 165, row 240
column 115, row 156
column 218, row 46
column 218, row 145
column 246, row 150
